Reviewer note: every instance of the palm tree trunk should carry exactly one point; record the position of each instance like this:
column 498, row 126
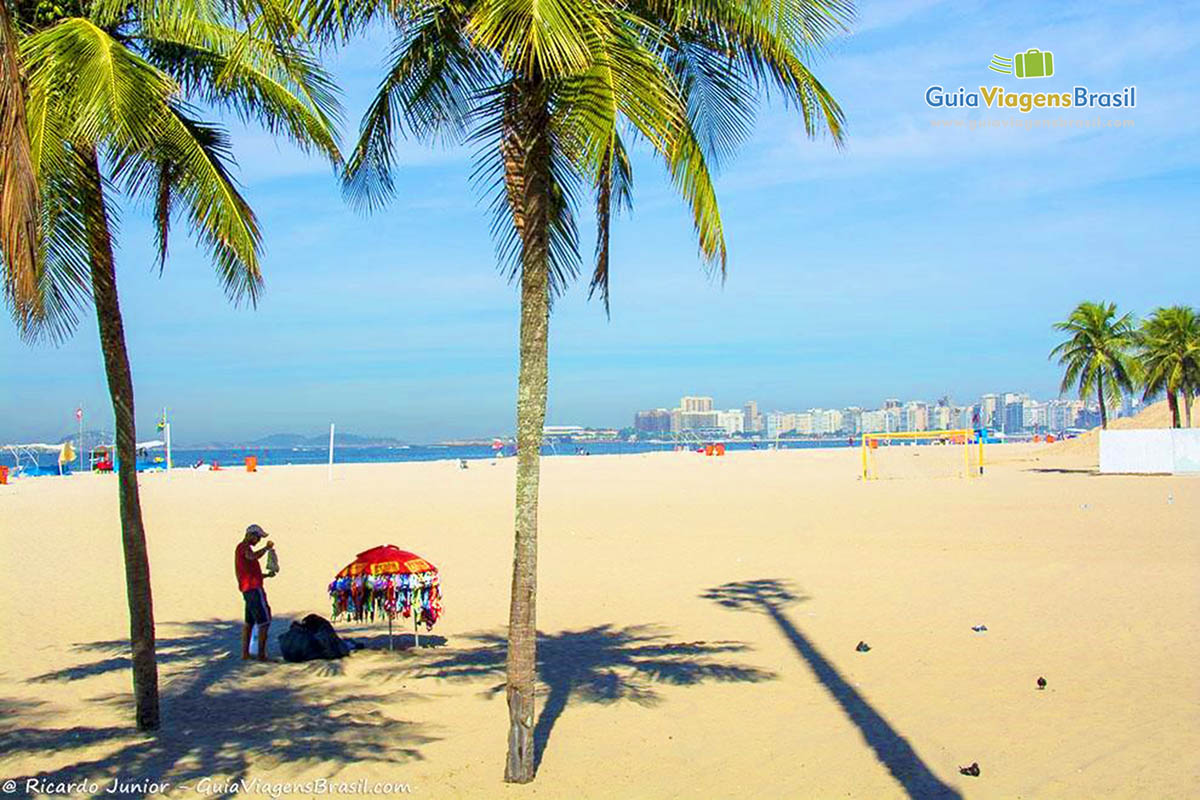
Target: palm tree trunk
column 527, row 171
column 1103, row 410
column 1173, row 404
column 120, row 387
column 1187, row 405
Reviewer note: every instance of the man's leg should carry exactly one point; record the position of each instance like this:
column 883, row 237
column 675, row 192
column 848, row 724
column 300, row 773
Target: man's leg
column 264, row 624
column 246, row 627
column 262, row 640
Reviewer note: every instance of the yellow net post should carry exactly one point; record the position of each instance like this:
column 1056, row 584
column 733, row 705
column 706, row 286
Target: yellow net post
column 947, row 437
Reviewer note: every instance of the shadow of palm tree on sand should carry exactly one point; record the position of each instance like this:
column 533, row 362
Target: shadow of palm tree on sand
column 219, row 715
column 602, row 664
column 771, row 597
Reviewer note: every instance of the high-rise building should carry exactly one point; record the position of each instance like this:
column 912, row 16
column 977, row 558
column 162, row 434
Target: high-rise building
column 696, row 404
column 802, row 423
column 696, row 420
column 1035, row 416
column 656, row 420
column 1062, row 414
column 1014, row 417
column 989, row 410
column 914, row 416
column 874, row 422
column 852, row 420
column 751, row 419
column 890, row 403
column 825, row 421
column 732, row 421
column 771, row 424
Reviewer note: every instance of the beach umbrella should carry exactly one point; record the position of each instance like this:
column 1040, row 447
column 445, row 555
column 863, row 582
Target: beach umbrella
column 387, row 581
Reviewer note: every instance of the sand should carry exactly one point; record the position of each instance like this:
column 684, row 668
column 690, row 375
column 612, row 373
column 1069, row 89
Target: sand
column 700, row 618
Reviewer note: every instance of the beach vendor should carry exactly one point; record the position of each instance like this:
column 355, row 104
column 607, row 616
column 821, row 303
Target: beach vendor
column 250, row 584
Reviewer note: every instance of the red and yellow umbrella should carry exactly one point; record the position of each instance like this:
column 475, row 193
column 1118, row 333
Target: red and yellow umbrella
column 386, row 581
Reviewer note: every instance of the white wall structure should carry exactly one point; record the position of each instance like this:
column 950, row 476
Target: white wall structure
column 1154, row 450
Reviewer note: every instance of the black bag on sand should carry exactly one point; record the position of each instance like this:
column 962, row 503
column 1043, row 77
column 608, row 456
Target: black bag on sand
column 312, row 638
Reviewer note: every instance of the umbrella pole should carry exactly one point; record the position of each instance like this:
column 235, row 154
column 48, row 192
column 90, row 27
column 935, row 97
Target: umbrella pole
column 390, row 632
column 416, row 633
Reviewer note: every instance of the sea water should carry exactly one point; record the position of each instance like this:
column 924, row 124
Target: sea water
column 235, row 457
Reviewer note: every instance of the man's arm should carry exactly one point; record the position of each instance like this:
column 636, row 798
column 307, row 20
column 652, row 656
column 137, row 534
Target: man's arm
column 257, row 554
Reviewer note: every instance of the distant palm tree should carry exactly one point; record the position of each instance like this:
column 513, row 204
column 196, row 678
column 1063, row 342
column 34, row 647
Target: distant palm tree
column 95, row 94
column 550, row 92
column 1096, row 354
column 1169, row 351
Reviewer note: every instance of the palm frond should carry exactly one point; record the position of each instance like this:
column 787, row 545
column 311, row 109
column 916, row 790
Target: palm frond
column 187, row 173
column 275, row 83
column 614, row 187
column 110, row 92
column 542, row 39
column 431, row 90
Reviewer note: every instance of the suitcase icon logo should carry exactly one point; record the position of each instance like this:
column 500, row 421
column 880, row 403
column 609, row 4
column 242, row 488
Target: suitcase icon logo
column 1033, row 63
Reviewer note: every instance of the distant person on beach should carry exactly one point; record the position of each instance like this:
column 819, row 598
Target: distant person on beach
column 250, row 584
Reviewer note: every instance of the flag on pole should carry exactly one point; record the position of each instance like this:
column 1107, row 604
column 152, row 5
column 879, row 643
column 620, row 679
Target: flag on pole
column 79, row 414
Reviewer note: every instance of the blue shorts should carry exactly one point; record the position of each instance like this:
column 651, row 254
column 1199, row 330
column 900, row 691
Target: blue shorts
column 257, row 610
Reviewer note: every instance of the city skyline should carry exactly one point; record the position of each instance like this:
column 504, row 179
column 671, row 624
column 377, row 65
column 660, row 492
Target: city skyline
column 1007, row 413
column 147, row 426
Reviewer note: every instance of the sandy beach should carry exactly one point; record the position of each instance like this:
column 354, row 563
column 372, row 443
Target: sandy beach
column 700, row 617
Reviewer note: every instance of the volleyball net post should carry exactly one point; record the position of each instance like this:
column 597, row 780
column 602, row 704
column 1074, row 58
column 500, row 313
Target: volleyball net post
column 964, row 437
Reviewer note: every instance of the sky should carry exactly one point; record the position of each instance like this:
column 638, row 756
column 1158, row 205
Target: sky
column 917, row 261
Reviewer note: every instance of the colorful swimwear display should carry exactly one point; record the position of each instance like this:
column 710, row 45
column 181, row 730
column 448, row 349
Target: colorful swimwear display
column 384, row 582
column 366, row 597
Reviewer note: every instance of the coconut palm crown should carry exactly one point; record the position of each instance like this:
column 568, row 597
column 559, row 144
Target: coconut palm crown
column 1095, row 356
column 1168, row 343
column 100, row 100
column 552, row 94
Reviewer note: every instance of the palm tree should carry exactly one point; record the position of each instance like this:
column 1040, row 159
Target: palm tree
column 1095, row 355
column 1169, row 351
column 551, row 92
column 105, row 87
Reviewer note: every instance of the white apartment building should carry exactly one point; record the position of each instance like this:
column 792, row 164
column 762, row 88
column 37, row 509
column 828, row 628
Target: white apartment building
column 732, row 421
column 874, row 421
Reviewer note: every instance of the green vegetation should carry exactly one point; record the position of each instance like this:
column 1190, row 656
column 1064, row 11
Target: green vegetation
column 98, row 95
column 1168, row 347
column 1111, row 354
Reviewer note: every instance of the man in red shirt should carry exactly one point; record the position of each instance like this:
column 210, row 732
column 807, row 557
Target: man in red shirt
column 250, row 584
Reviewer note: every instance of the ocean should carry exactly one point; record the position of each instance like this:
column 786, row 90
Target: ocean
column 276, row 456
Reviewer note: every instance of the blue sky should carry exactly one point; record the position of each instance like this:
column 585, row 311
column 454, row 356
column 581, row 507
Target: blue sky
column 913, row 263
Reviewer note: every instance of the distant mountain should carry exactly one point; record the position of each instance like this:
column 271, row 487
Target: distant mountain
column 289, row 440
column 284, row 440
